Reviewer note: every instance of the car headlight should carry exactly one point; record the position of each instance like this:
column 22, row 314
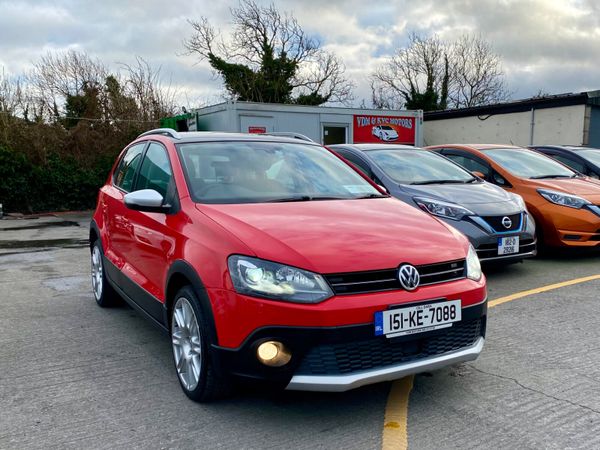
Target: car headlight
column 443, row 209
column 563, row 199
column 473, row 265
column 260, row 278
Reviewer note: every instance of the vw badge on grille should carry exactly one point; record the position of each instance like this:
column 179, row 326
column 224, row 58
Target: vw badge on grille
column 506, row 222
column 409, row 277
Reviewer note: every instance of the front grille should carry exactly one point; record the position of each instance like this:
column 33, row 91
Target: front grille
column 336, row 359
column 496, row 222
column 387, row 280
column 488, row 251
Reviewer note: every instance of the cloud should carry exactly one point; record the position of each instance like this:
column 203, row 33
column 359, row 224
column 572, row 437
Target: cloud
column 552, row 45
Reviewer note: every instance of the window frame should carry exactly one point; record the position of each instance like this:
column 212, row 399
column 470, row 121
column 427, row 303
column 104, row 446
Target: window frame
column 171, row 197
column 144, row 144
column 454, row 152
column 490, row 178
column 573, row 160
column 346, row 154
column 160, row 144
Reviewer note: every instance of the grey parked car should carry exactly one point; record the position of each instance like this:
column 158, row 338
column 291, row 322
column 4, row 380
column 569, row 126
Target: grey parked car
column 495, row 221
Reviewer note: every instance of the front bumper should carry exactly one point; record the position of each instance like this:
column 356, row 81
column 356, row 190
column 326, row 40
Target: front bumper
column 341, row 383
column 345, row 357
column 486, row 242
column 568, row 227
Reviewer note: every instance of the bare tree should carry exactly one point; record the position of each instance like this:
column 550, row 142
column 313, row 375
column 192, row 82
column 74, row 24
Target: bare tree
column 432, row 74
column 11, row 94
column 269, row 58
column 477, row 76
column 411, row 73
column 323, row 78
column 74, row 85
column 143, row 84
column 55, row 76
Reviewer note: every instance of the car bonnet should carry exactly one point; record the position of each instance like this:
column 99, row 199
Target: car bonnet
column 335, row 236
column 481, row 198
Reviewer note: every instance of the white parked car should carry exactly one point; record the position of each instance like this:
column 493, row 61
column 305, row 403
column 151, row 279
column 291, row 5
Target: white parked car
column 385, row 133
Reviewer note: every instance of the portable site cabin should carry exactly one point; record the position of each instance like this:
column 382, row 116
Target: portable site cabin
column 326, row 125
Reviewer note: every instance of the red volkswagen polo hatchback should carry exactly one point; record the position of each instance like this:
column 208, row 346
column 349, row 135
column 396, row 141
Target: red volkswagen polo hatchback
column 268, row 258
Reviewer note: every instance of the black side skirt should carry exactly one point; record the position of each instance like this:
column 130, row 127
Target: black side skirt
column 139, row 299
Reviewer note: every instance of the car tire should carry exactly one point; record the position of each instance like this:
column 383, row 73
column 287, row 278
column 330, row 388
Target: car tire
column 104, row 294
column 190, row 342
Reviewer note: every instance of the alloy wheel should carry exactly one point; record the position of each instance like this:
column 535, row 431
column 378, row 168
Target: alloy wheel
column 187, row 343
column 97, row 272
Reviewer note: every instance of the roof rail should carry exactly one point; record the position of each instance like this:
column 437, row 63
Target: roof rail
column 289, row 134
column 164, row 131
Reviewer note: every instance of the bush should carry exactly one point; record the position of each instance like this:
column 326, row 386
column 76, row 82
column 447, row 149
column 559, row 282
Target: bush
column 60, row 183
column 15, row 180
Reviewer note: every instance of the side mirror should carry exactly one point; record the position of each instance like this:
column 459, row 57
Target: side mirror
column 499, row 180
column 478, row 174
column 147, row 200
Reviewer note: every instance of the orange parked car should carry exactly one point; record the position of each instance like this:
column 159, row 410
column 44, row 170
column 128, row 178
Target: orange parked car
column 564, row 203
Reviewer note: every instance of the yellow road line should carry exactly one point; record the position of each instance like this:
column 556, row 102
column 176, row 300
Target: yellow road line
column 539, row 290
column 395, row 434
column 395, row 428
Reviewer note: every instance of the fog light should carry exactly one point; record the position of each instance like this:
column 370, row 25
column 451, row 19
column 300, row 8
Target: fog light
column 273, row 353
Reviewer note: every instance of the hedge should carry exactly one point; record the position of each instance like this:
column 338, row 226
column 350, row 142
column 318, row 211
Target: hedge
column 59, row 183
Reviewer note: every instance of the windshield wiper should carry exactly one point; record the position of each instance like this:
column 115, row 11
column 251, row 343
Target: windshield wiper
column 443, row 182
column 371, row 196
column 300, row 198
column 304, row 198
column 539, row 177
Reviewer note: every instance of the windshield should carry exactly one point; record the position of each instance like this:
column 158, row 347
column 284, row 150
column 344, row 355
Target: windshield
column 419, row 167
column 528, row 164
column 255, row 172
column 592, row 155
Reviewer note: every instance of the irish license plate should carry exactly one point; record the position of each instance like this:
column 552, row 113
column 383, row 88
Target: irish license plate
column 508, row 245
column 417, row 319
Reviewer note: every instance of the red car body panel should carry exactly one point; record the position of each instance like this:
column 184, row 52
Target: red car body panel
column 321, row 236
column 324, row 236
column 336, row 311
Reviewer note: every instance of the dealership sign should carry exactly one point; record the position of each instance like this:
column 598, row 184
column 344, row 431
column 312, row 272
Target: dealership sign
column 384, row 129
column 257, row 130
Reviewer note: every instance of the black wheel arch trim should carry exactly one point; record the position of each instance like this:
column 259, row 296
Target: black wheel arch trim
column 182, row 268
column 94, row 227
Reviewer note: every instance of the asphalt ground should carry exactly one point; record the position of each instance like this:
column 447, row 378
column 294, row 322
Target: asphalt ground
column 73, row 375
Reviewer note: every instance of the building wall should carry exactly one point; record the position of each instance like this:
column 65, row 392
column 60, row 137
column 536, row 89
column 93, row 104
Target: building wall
column 219, row 120
column 303, row 123
column 594, row 130
column 561, row 125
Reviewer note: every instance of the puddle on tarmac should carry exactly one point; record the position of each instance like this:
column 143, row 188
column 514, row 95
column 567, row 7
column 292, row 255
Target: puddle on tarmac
column 62, row 223
column 43, row 243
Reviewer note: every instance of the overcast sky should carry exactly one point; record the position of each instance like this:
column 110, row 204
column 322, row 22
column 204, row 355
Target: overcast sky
column 552, row 45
